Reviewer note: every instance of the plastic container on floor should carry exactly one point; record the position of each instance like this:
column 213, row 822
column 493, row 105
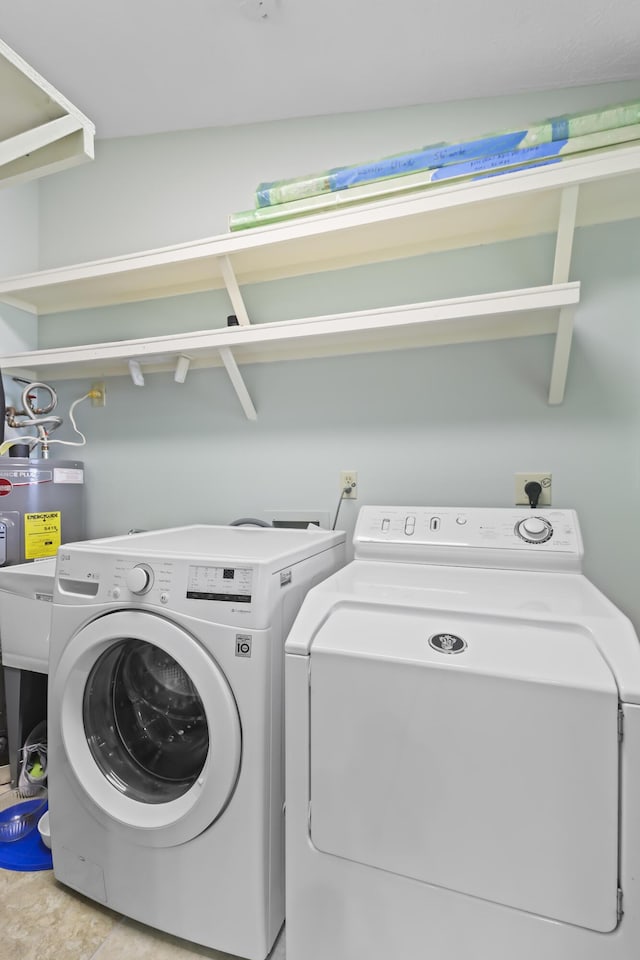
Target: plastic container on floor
column 21, row 814
column 26, row 855
column 44, row 830
column 27, row 852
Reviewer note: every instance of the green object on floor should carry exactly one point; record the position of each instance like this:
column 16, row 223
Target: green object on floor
column 37, row 771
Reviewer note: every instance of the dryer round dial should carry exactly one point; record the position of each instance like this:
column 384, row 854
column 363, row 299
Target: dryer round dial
column 139, row 579
column 534, row 530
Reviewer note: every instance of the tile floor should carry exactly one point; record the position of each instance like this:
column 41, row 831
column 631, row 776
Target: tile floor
column 41, row 919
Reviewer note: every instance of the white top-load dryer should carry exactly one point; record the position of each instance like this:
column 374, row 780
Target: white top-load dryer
column 463, row 747
column 166, row 727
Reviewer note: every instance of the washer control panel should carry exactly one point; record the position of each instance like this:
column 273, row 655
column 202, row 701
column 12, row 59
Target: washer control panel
column 165, row 581
column 504, row 537
column 219, row 583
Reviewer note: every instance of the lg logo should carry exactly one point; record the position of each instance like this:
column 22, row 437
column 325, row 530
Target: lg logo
column 243, row 645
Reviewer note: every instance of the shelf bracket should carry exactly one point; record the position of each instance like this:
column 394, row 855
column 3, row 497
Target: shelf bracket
column 230, row 282
column 561, row 269
column 564, row 238
column 561, row 355
column 238, row 383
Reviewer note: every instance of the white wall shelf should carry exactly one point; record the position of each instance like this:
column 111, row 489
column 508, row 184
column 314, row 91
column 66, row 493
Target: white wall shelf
column 520, row 204
column 40, row 131
column 593, row 188
column 513, row 313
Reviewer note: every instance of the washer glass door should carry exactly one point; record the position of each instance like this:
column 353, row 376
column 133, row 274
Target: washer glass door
column 145, row 722
column 148, row 724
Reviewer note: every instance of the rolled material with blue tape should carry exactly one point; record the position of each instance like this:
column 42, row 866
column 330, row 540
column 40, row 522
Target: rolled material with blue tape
column 557, row 129
column 510, row 161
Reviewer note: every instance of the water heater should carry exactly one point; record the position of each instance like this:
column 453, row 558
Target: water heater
column 41, row 506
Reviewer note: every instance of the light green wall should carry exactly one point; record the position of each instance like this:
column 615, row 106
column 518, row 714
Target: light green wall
column 19, row 226
column 145, row 192
column 18, row 254
column 447, row 425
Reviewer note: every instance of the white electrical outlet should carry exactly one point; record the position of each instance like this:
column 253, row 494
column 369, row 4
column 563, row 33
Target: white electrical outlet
column 521, row 479
column 349, row 478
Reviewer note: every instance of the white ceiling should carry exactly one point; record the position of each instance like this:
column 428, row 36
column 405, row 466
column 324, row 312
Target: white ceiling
column 146, row 66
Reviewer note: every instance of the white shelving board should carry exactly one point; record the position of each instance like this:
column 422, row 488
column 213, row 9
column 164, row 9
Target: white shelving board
column 514, row 313
column 594, row 188
column 526, row 203
column 40, row 131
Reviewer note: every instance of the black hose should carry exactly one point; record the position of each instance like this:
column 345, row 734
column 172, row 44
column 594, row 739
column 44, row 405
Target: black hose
column 249, row 522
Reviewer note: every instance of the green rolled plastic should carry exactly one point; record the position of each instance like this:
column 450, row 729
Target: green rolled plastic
column 434, row 156
column 479, row 168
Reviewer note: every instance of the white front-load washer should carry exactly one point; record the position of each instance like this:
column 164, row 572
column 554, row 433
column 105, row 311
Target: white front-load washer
column 463, row 747
column 166, row 728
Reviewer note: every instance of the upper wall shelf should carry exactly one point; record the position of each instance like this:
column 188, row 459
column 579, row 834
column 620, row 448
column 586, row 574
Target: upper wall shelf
column 513, row 205
column 40, row 131
column 591, row 189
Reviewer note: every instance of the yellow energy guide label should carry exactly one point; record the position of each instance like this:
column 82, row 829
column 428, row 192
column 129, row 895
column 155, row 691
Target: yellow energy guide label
column 41, row 534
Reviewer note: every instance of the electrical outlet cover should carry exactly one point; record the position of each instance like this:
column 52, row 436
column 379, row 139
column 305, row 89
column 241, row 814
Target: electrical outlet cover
column 544, row 479
column 349, row 478
column 100, row 387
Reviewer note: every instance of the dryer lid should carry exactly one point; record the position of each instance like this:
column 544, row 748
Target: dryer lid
column 485, row 762
column 542, row 651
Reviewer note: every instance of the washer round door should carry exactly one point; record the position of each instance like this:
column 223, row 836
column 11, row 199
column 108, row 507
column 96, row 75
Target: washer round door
column 149, row 725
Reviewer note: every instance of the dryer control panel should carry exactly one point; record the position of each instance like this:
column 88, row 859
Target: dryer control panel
column 475, row 536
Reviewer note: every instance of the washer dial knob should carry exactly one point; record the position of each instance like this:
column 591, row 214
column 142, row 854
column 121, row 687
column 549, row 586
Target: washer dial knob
column 534, row 530
column 139, row 579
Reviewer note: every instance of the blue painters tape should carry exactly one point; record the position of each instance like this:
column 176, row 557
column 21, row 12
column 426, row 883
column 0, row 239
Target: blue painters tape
column 501, row 173
column 559, row 128
column 429, row 158
column 510, row 159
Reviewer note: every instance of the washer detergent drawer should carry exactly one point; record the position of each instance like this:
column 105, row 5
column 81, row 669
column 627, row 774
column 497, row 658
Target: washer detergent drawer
column 491, row 772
